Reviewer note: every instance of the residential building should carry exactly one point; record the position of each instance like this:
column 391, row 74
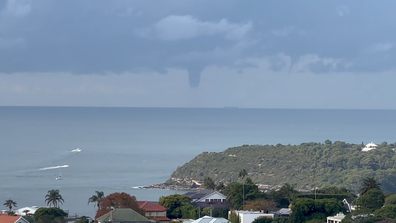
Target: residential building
column 122, row 215
column 5, row 218
column 209, row 219
column 208, row 198
column 250, row 216
column 335, row 219
column 369, row 146
column 26, row 210
column 153, row 211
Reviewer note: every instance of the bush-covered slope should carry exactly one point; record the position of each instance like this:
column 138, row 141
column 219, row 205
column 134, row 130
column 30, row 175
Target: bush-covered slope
column 306, row 165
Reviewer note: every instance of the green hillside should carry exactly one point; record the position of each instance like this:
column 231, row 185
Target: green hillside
column 306, row 165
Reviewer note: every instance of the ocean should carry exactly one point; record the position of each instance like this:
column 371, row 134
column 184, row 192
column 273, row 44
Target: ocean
column 123, row 148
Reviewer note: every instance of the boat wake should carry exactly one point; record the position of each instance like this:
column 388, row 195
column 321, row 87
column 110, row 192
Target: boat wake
column 54, row 167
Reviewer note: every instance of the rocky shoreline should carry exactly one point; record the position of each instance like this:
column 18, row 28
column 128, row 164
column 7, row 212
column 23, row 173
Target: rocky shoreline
column 164, row 186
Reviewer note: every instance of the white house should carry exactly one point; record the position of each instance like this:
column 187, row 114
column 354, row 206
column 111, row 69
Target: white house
column 208, row 198
column 31, row 210
column 335, row 219
column 369, row 147
column 250, row 216
column 208, row 219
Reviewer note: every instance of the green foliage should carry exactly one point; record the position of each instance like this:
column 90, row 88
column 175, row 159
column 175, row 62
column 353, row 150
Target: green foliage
column 281, row 220
column 305, row 165
column 369, row 183
column 285, row 195
column 386, row 212
column 234, row 217
column 325, row 196
column 306, row 209
column 262, row 220
column 390, row 200
column 10, row 204
column 316, row 221
column 209, row 183
column 235, row 192
column 53, row 198
column 52, row 214
column 96, row 198
column 173, row 204
column 189, row 211
column 371, row 200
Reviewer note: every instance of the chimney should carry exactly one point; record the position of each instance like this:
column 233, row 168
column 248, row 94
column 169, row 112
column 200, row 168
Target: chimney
column 111, row 215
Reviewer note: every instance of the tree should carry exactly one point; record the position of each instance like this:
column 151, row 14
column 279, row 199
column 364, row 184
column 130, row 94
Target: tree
column 260, row 205
column 386, row 212
column 50, row 215
column 368, row 184
column 173, row 204
column 371, row 200
column 209, row 183
column 53, row 198
column 118, row 200
column 262, row 220
column 234, row 196
column 220, row 187
column 96, row 198
column 390, row 200
column 306, row 209
column 10, row 204
column 234, row 217
column 243, row 174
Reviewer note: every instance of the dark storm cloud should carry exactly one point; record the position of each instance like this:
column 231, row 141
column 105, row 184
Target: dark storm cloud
column 116, row 36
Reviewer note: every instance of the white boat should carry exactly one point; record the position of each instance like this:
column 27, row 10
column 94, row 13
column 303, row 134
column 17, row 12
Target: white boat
column 76, row 150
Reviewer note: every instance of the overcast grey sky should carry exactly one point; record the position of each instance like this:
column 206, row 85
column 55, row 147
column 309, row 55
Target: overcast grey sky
column 198, row 53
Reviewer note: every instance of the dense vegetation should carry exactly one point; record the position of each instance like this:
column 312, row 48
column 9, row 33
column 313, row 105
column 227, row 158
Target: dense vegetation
column 307, row 165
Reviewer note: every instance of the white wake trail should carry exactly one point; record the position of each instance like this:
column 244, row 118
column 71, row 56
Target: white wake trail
column 54, row 167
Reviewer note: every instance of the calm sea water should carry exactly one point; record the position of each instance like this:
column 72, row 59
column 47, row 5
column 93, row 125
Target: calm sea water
column 122, row 148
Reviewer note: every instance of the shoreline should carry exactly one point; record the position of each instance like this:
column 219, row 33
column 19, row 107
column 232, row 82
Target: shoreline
column 164, row 186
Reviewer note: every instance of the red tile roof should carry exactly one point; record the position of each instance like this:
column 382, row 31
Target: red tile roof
column 148, row 206
column 8, row 219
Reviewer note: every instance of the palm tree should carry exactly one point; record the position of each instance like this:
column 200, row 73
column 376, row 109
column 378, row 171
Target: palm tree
column 368, row 184
column 10, row 203
column 53, row 198
column 243, row 174
column 96, row 198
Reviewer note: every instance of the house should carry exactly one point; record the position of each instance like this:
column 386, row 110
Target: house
column 26, row 210
column 335, row 219
column 12, row 219
column 209, row 219
column 208, row 198
column 122, row 215
column 153, row 211
column 369, row 147
column 348, row 204
column 283, row 212
column 250, row 216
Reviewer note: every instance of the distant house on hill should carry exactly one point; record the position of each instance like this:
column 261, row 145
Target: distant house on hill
column 369, row 147
column 250, row 216
column 12, row 219
column 335, row 219
column 122, row 215
column 208, row 198
column 208, row 219
column 153, row 211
